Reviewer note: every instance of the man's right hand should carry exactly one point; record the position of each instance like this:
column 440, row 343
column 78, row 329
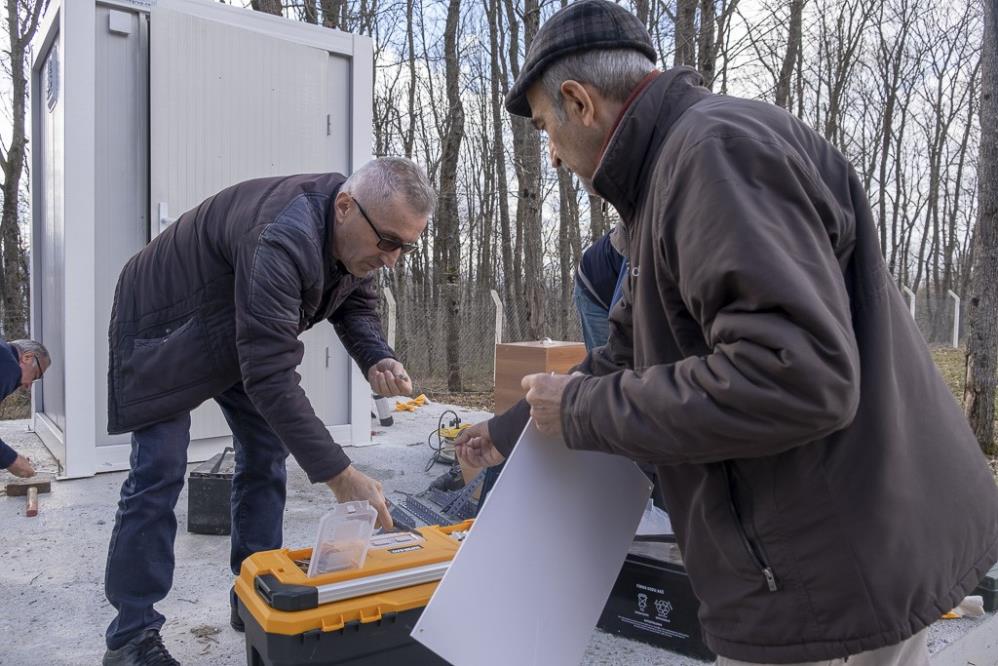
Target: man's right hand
column 21, row 467
column 475, row 445
column 353, row 485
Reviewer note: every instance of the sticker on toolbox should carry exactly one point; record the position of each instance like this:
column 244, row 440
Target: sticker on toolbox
column 390, row 540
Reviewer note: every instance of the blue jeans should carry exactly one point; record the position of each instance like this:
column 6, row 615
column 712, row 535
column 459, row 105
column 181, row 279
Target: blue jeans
column 140, row 561
column 593, row 317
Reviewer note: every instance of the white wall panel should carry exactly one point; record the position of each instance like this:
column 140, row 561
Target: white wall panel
column 50, row 243
column 228, row 105
column 121, row 170
column 169, row 102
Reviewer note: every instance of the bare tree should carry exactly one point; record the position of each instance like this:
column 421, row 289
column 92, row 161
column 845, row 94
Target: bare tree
column 892, row 83
column 334, row 14
column 685, row 33
column 982, row 345
column 22, row 23
column 794, row 37
column 599, row 222
column 310, row 12
column 713, row 36
column 497, row 91
column 527, row 163
column 841, row 40
column 447, row 241
column 268, row 6
column 568, row 246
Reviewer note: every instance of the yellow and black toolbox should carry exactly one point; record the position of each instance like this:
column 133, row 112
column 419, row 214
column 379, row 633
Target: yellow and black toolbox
column 355, row 616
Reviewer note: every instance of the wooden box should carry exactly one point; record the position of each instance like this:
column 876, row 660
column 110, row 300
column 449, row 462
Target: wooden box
column 515, row 360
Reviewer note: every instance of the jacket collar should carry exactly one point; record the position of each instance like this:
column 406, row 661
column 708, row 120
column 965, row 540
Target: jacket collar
column 629, row 157
column 334, row 268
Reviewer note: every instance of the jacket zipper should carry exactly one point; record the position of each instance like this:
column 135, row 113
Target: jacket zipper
column 754, row 551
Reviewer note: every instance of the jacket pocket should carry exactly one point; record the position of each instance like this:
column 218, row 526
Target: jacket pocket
column 743, row 524
column 175, row 358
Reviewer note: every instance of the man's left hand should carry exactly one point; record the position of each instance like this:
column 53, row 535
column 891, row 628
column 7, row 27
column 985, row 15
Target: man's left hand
column 544, row 393
column 388, row 378
column 21, row 467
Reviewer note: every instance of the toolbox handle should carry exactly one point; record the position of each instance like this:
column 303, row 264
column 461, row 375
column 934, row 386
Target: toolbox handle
column 285, row 596
column 214, row 470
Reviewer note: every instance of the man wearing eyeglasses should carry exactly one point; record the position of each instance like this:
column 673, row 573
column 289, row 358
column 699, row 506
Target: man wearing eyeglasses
column 22, row 363
column 212, row 309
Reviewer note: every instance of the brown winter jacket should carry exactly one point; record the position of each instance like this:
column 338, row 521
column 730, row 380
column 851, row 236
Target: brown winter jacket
column 825, row 488
column 222, row 296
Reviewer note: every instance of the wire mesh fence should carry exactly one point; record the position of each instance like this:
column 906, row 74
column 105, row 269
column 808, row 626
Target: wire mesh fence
column 422, row 327
column 426, row 328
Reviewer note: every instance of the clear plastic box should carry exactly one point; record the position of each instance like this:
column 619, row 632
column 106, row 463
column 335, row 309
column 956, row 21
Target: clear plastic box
column 343, row 538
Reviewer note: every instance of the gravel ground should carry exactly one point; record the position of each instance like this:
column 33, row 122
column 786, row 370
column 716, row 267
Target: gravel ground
column 51, row 582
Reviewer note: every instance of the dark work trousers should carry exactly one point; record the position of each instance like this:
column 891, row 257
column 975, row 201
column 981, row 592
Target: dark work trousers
column 140, row 562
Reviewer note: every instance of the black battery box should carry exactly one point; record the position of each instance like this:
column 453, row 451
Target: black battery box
column 989, row 590
column 209, row 495
column 653, row 602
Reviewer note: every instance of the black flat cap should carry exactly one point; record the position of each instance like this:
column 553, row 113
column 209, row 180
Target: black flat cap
column 581, row 26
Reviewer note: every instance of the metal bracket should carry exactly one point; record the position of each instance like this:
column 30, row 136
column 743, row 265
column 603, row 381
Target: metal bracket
column 164, row 217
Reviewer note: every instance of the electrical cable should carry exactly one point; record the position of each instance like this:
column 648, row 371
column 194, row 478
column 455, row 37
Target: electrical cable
column 435, row 457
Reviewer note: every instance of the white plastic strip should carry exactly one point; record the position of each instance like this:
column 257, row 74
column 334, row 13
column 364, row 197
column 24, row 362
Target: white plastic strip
column 542, row 556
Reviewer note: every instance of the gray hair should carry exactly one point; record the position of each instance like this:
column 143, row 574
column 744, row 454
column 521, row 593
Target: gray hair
column 613, row 72
column 36, row 348
column 382, row 178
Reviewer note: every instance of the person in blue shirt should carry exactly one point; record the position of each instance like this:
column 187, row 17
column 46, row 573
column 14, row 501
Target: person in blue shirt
column 22, row 363
column 598, row 281
column 597, row 287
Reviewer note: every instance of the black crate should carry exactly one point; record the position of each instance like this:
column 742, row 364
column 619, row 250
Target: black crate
column 652, row 601
column 989, row 589
column 209, row 495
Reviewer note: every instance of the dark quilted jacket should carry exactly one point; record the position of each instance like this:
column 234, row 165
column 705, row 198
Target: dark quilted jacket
column 222, row 296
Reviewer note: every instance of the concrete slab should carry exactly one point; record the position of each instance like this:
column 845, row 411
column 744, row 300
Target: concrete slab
column 51, row 582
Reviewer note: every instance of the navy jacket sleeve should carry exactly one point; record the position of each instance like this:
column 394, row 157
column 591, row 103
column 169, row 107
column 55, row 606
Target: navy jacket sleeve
column 272, row 271
column 10, row 379
column 357, row 323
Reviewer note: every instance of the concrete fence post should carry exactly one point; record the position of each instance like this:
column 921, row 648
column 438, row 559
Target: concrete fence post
column 911, row 299
column 499, row 321
column 392, row 312
column 956, row 317
column 499, row 314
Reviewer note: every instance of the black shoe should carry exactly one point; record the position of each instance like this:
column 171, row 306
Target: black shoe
column 234, row 620
column 450, row 480
column 146, row 649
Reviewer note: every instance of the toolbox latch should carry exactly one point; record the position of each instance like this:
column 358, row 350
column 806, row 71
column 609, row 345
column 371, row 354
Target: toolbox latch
column 286, row 596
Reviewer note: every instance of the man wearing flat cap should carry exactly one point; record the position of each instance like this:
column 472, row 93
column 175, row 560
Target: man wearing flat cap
column 829, row 497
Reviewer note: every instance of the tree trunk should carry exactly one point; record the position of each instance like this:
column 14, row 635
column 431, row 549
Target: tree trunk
column 310, row 12
column 527, row 161
column 410, row 133
column 686, row 37
column 790, row 59
column 22, row 23
column 843, row 50
column 568, row 257
column 274, row 7
column 641, row 10
column 332, row 14
column 509, row 293
column 707, row 55
column 447, row 215
column 982, row 344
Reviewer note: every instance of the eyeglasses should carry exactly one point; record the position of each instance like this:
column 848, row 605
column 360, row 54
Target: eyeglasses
column 38, row 370
column 386, row 244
